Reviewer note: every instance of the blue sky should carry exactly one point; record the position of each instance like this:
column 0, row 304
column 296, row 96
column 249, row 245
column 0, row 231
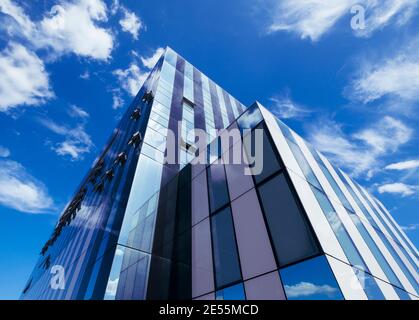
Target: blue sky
column 68, row 68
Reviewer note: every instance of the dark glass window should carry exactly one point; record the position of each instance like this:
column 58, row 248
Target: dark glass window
column 217, row 187
column 310, row 280
column 226, row 260
column 292, row 238
column 235, row 292
column 265, row 163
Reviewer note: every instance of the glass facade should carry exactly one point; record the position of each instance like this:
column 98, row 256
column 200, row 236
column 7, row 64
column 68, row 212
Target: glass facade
column 143, row 227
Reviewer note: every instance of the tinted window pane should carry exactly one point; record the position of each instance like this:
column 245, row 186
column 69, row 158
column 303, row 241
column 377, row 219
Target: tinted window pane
column 310, row 280
column 330, row 178
column 217, row 186
column 235, row 292
column 374, row 249
column 238, row 181
column 226, row 262
column 304, row 165
column 266, row 162
column 291, row 235
column 285, row 130
column 342, row 235
column 200, row 207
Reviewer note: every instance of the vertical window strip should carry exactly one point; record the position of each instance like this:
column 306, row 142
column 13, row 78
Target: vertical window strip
column 165, row 87
column 199, row 119
column 391, row 232
column 218, row 118
column 330, row 179
column 233, row 105
column 225, row 252
column 396, row 226
column 377, row 218
column 240, row 107
column 402, row 240
column 187, row 133
column 208, row 110
column 229, row 108
column 341, row 233
column 407, row 269
column 188, row 89
column 223, row 108
column 382, row 237
column 388, row 271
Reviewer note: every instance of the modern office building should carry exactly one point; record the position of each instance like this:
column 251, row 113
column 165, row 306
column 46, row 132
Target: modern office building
column 143, row 227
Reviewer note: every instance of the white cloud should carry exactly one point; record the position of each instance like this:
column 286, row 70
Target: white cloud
column 308, row 18
column 77, row 112
column 386, row 136
column 115, row 7
column 285, row 108
column 85, row 75
column 398, row 188
column 131, row 23
column 411, row 227
column 76, row 141
column 404, row 165
column 21, row 191
column 19, row 22
column 69, row 27
column 304, row 289
column 361, row 152
column 4, row 152
column 314, row 18
column 131, row 79
column 150, row 62
column 117, row 102
column 386, row 12
column 72, row 28
column 328, row 137
column 396, row 77
column 23, row 78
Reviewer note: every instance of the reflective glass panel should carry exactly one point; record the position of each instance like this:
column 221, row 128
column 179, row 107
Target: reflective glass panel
column 226, row 260
column 292, row 238
column 310, row 280
column 235, row 292
column 217, row 187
